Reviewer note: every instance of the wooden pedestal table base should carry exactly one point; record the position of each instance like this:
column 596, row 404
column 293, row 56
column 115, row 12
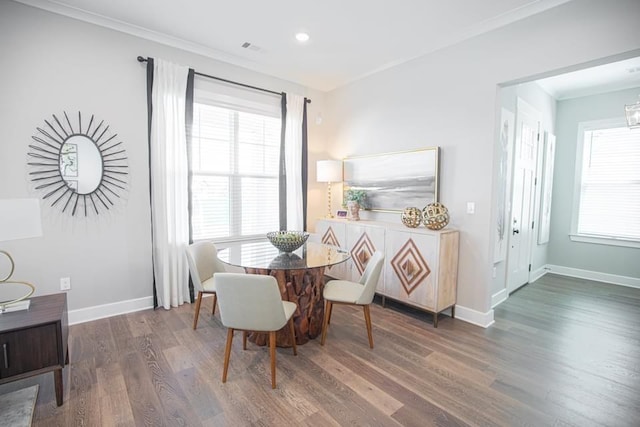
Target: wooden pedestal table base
column 304, row 287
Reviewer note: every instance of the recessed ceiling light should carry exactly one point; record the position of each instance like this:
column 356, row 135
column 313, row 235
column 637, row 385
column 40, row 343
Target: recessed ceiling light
column 302, row 37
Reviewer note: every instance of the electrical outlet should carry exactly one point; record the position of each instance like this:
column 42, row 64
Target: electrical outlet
column 65, row 283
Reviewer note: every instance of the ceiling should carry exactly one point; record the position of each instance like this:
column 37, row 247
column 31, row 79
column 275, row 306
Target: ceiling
column 594, row 80
column 349, row 39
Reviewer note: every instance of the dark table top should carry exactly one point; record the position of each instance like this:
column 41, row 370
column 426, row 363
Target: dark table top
column 263, row 255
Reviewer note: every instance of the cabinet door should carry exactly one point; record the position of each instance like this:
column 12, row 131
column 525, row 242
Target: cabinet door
column 411, row 268
column 28, row 350
column 333, row 233
column 363, row 242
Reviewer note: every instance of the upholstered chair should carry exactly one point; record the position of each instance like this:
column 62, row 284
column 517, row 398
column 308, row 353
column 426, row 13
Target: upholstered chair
column 252, row 302
column 353, row 293
column 203, row 266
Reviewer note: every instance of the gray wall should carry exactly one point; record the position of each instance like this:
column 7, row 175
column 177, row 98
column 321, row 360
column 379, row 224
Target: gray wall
column 53, row 64
column 448, row 98
column 562, row 251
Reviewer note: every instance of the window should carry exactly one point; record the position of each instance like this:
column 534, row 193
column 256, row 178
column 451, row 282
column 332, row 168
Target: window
column 235, row 157
column 608, row 205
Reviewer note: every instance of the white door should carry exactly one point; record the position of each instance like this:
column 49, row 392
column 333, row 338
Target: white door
column 523, row 196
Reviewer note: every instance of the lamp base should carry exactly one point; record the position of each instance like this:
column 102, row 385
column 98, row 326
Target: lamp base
column 16, row 306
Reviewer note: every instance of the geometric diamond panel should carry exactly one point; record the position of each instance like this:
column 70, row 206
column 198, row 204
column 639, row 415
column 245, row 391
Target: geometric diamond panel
column 362, row 251
column 329, row 238
column 410, row 266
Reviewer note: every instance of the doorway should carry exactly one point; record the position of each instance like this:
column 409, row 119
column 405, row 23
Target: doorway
column 523, row 195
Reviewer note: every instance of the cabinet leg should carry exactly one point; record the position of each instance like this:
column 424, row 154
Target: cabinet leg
column 66, row 357
column 384, row 300
column 57, row 379
column 453, row 311
column 435, row 320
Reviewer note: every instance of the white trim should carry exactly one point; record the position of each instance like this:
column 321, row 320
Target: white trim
column 472, row 316
column 96, row 312
column 536, row 274
column 602, row 240
column 499, row 297
column 632, row 282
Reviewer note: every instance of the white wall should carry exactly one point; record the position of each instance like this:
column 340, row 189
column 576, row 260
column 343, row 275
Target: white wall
column 616, row 260
column 53, row 64
column 448, row 98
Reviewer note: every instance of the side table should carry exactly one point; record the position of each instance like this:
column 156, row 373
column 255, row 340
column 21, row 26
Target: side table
column 34, row 341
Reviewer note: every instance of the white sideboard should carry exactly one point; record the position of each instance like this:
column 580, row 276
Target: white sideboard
column 420, row 268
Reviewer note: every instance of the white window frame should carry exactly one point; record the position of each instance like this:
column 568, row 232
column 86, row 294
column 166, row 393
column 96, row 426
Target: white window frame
column 223, row 100
column 583, row 127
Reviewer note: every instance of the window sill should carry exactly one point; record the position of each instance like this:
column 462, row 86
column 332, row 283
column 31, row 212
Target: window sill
column 599, row 240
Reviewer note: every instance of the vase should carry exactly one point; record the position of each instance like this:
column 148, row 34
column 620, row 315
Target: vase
column 354, row 210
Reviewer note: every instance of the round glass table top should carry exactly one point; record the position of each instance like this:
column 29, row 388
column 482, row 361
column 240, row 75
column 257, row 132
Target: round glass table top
column 263, row 255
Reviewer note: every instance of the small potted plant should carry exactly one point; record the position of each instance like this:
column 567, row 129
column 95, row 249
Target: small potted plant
column 355, row 200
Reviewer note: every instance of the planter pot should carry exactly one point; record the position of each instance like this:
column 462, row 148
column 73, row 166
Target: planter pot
column 354, row 210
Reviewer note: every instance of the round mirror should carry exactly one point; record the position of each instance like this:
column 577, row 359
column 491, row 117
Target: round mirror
column 79, row 165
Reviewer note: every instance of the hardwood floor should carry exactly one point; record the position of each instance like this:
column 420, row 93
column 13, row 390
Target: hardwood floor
column 563, row 352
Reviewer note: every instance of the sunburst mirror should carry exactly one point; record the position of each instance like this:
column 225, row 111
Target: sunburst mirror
column 81, row 168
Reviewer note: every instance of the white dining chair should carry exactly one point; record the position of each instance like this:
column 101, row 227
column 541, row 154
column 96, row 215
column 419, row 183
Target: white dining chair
column 252, row 302
column 203, row 266
column 353, row 293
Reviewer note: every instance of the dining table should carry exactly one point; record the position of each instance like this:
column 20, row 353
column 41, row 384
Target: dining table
column 300, row 277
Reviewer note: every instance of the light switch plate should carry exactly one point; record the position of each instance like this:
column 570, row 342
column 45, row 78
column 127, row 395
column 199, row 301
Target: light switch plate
column 471, row 207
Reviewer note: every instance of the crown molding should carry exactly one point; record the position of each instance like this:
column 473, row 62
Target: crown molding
column 137, row 31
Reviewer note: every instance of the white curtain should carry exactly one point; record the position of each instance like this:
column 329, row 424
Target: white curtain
column 169, row 183
column 293, row 161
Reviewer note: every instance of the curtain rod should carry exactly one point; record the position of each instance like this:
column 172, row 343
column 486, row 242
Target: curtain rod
column 142, row 59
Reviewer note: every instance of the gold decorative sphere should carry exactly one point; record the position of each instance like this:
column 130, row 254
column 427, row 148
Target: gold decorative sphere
column 411, row 217
column 435, row 216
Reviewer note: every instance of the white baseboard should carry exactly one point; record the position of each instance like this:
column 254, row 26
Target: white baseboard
column 615, row 279
column 108, row 310
column 536, row 274
column 499, row 297
column 478, row 318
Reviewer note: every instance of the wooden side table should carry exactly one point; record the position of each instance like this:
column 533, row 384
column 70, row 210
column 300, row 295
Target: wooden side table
column 34, row 341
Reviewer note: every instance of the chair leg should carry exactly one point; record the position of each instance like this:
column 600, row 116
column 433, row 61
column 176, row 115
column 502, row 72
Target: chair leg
column 330, row 313
column 244, row 339
column 272, row 350
column 325, row 323
column 227, row 354
column 293, row 336
column 367, row 318
column 195, row 318
column 215, row 301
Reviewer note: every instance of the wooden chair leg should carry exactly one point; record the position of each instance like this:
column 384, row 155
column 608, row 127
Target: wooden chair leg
column 367, row 318
column 330, row 313
column 244, row 339
column 215, row 301
column 325, row 323
column 293, row 336
column 195, row 318
column 227, row 355
column 272, row 350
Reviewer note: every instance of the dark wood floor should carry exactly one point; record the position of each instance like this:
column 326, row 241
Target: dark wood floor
column 562, row 352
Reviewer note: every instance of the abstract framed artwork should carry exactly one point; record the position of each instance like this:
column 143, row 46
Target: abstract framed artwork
column 393, row 181
column 547, row 186
column 506, row 136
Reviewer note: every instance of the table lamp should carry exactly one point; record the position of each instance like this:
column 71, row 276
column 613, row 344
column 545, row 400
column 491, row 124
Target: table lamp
column 329, row 171
column 19, row 219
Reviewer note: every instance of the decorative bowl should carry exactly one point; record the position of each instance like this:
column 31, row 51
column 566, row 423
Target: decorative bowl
column 435, row 216
column 287, row 241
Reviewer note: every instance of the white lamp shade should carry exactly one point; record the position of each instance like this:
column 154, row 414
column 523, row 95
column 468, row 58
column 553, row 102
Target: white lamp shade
column 19, row 219
column 329, row 171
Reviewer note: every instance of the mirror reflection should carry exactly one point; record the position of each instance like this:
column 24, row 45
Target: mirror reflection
column 81, row 164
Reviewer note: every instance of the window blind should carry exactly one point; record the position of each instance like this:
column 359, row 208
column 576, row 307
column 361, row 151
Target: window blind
column 610, row 185
column 235, row 157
